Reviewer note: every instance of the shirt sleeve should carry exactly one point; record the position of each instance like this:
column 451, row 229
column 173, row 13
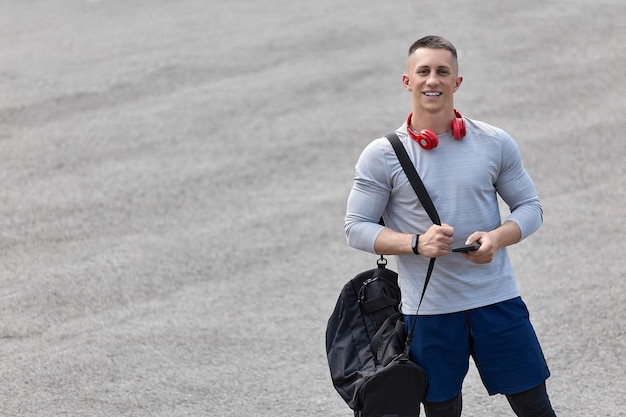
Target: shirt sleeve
column 368, row 198
column 518, row 191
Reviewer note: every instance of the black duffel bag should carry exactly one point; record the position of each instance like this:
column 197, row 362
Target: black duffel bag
column 395, row 386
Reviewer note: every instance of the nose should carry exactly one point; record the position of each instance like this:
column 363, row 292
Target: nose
column 432, row 79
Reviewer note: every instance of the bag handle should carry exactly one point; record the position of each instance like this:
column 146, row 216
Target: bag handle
column 427, row 203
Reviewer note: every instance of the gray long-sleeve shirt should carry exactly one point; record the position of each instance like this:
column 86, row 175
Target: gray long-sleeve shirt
column 463, row 178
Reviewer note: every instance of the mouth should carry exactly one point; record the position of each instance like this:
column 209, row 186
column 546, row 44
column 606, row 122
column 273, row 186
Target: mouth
column 431, row 94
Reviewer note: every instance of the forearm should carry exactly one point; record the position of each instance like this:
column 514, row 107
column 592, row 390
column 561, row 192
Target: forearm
column 507, row 234
column 390, row 242
column 433, row 243
column 528, row 217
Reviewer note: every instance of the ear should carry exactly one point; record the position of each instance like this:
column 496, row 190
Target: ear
column 459, row 80
column 406, row 81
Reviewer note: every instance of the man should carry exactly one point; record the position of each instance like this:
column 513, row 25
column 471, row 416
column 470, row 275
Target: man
column 472, row 305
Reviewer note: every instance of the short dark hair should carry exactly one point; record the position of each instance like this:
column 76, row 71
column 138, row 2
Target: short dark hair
column 433, row 42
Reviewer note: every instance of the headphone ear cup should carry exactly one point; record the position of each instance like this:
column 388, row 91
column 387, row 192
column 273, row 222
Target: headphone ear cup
column 427, row 139
column 458, row 128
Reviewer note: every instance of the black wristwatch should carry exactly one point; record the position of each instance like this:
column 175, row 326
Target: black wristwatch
column 414, row 244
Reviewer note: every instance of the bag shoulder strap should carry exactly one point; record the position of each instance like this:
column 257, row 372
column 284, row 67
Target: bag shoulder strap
column 427, row 203
column 414, row 178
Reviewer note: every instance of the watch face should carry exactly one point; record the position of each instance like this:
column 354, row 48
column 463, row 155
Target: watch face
column 414, row 244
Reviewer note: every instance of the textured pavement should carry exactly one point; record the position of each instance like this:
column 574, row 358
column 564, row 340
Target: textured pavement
column 174, row 177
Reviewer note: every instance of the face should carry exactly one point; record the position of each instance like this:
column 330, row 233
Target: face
column 432, row 78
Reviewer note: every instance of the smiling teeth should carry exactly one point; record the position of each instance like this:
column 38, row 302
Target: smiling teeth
column 432, row 94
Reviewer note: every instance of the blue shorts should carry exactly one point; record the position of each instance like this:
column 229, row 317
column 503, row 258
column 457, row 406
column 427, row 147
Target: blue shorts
column 499, row 337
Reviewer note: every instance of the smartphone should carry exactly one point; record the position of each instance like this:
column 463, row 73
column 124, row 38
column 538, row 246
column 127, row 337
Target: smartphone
column 466, row 249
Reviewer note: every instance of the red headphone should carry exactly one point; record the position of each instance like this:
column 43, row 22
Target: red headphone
column 427, row 139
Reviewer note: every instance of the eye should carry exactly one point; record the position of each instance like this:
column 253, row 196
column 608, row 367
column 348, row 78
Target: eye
column 444, row 72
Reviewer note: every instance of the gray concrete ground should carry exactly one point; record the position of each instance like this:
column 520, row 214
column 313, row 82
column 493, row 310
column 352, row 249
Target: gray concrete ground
column 174, row 177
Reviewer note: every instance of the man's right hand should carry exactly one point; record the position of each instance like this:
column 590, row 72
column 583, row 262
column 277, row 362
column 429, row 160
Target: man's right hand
column 436, row 241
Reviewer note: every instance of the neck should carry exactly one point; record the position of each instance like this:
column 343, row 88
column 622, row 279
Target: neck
column 438, row 122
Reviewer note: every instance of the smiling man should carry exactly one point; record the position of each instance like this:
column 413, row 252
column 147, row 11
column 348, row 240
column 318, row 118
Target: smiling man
column 472, row 306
